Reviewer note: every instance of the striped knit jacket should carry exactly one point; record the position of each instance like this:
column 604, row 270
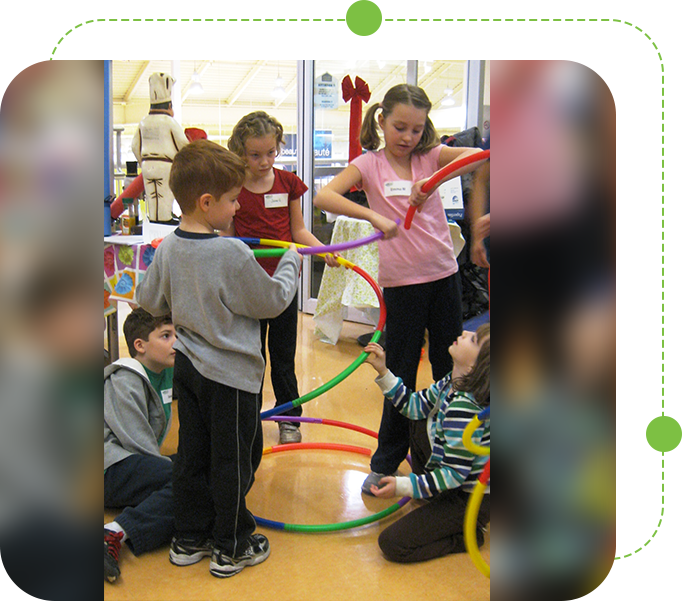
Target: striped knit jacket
column 448, row 412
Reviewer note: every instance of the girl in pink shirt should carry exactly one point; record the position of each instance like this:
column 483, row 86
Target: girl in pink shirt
column 417, row 268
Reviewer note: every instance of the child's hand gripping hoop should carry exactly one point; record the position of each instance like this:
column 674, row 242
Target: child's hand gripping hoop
column 456, row 168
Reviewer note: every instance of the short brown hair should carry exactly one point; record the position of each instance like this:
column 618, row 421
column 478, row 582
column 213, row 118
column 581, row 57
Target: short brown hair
column 139, row 325
column 204, row 167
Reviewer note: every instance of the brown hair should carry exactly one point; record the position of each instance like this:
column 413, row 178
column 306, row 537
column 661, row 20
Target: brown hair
column 400, row 94
column 139, row 325
column 254, row 125
column 204, row 167
column 477, row 381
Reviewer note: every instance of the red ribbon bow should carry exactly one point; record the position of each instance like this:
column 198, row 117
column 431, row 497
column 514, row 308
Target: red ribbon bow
column 356, row 95
column 361, row 89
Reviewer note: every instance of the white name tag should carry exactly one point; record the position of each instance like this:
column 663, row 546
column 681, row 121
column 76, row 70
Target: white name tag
column 399, row 188
column 167, row 396
column 276, row 201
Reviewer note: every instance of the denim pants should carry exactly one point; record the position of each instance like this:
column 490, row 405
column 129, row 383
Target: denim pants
column 143, row 485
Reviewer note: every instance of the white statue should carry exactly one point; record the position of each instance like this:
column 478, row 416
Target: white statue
column 157, row 139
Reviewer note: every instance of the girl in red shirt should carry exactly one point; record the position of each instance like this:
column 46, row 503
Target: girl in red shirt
column 271, row 208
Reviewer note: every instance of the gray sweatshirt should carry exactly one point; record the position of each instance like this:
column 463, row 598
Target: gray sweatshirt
column 217, row 293
column 134, row 419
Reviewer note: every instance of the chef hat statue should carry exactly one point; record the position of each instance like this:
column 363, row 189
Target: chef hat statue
column 157, row 139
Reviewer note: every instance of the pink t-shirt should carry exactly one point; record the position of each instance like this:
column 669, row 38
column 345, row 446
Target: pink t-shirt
column 423, row 253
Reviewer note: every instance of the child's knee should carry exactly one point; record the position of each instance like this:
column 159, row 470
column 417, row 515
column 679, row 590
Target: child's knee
column 393, row 547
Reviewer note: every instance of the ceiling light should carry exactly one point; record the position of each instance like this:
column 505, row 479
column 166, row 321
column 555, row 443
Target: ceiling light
column 449, row 101
column 278, row 91
column 195, row 88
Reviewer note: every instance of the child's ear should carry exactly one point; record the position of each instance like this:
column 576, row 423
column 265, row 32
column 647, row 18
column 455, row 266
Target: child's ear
column 140, row 346
column 205, row 201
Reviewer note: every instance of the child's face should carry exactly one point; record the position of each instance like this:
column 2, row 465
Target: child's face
column 261, row 154
column 464, row 351
column 403, row 129
column 157, row 353
column 221, row 211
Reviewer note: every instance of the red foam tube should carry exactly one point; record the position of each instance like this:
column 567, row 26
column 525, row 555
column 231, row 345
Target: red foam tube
column 441, row 174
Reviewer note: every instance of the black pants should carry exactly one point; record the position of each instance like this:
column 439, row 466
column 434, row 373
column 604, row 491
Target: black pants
column 143, row 485
column 432, row 530
column 219, row 449
column 281, row 333
column 410, row 311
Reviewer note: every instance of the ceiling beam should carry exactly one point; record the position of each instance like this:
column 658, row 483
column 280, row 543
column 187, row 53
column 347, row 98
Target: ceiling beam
column 243, row 84
column 135, row 82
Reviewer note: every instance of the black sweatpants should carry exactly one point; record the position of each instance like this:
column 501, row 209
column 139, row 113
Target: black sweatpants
column 280, row 334
column 410, row 311
column 219, row 449
column 432, row 530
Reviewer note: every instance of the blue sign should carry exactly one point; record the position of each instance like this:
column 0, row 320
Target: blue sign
column 322, row 145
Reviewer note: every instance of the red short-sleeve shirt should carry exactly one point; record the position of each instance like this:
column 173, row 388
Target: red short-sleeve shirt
column 268, row 215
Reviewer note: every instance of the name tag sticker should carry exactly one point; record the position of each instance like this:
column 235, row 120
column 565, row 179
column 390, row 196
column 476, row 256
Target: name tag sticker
column 399, row 188
column 167, row 396
column 276, row 201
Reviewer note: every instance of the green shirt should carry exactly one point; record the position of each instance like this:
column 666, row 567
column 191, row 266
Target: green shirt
column 163, row 384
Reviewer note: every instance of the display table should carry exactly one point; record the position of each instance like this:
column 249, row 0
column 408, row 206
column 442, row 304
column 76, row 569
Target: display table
column 342, row 288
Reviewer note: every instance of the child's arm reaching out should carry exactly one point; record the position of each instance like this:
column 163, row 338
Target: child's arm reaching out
column 331, row 199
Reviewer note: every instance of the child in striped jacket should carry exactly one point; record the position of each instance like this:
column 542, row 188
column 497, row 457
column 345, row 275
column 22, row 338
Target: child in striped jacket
column 450, row 474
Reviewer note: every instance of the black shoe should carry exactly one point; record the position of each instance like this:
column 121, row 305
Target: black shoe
column 187, row 551
column 112, row 548
column 365, row 339
column 224, row 566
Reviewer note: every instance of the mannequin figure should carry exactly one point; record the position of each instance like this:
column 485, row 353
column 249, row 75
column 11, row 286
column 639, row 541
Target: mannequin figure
column 157, row 139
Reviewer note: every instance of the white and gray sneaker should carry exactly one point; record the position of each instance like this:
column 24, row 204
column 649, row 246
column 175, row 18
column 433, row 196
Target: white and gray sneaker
column 373, row 479
column 288, row 433
column 224, row 566
column 187, row 551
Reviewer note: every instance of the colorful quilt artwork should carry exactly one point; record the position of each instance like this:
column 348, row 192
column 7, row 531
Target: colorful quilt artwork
column 124, row 268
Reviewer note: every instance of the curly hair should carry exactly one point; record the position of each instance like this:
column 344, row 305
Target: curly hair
column 254, row 125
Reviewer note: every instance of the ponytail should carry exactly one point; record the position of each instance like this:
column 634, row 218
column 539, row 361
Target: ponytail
column 369, row 134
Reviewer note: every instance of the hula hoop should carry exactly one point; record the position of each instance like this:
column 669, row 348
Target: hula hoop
column 470, row 518
column 476, row 497
column 331, row 447
column 316, row 250
column 363, row 355
column 435, row 180
column 469, row 430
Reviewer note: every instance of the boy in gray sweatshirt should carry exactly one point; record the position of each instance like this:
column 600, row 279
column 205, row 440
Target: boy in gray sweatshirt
column 217, row 293
column 137, row 416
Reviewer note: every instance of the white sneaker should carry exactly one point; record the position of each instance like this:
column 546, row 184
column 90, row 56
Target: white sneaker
column 224, row 566
column 288, row 433
column 373, row 479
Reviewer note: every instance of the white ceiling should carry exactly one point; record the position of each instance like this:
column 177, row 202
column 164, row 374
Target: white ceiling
column 234, row 88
